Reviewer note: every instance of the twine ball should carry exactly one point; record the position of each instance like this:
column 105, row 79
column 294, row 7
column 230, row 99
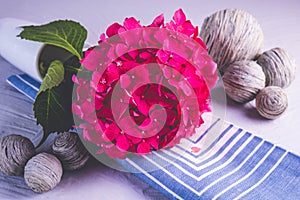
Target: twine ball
column 232, row 35
column 243, row 80
column 15, row 151
column 43, row 172
column 271, row 102
column 278, row 66
column 71, row 152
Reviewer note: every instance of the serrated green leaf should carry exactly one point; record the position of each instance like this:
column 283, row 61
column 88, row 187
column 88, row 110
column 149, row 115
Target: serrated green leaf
column 54, row 76
column 53, row 106
column 66, row 34
column 52, row 109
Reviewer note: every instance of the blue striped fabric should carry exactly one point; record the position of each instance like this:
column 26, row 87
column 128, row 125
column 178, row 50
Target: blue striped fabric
column 234, row 165
column 25, row 84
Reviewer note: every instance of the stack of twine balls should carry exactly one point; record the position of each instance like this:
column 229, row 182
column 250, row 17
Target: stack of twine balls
column 42, row 171
column 235, row 41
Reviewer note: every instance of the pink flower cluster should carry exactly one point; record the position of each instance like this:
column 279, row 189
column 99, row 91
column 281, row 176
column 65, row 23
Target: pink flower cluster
column 164, row 79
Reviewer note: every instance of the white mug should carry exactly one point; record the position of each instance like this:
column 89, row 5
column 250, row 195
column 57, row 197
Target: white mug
column 24, row 54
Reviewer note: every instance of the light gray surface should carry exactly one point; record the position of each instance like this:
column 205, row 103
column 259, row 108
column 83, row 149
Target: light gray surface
column 279, row 21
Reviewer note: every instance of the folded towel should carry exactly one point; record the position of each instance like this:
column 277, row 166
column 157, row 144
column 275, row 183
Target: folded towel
column 234, row 165
column 25, row 84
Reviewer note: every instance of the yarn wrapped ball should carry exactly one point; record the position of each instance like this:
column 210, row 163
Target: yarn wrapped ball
column 271, row 102
column 15, row 151
column 232, row 35
column 70, row 151
column 43, row 172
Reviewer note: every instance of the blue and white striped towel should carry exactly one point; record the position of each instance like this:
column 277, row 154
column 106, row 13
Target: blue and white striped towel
column 235, row 165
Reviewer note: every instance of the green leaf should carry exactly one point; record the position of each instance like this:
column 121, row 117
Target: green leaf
column 53, row 104
column 54, row 76
column 66, row 34
column 53, row 111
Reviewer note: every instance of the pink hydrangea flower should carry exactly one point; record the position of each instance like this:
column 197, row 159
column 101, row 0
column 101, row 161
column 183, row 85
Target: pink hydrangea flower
column 157, row 105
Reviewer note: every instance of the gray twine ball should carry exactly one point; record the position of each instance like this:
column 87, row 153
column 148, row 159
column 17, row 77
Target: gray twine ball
column 71, row 152
column 15, row 151
column 43, row 172
column 271, row 102
column 278, row 66
column 232, row 35
column 243, row 80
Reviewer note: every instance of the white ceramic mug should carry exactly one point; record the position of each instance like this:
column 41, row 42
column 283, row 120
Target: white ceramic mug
column 21, row 53
column 24, row 54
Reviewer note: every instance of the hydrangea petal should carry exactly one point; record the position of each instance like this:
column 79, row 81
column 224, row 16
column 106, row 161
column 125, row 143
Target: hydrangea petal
column 158, row 21
column 113, row 29
column 143, row 148
column 122, row 143
column 179, row 16
column 131, row 23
